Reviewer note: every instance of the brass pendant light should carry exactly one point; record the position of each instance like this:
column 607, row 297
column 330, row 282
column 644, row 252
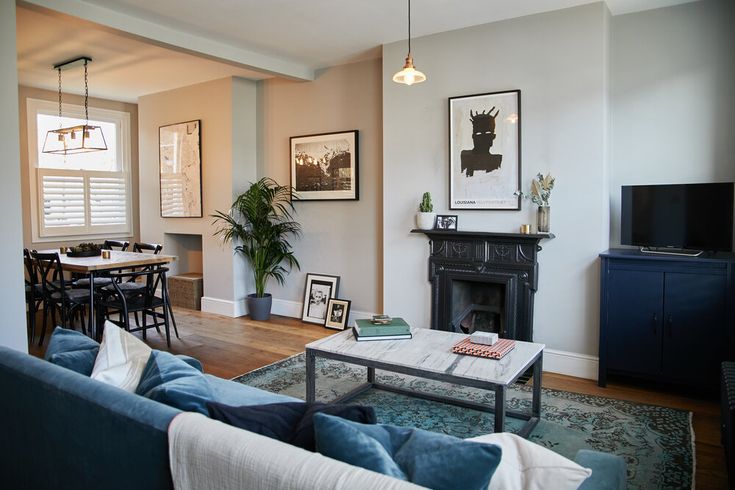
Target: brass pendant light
column 409, row 74
column 82, row 138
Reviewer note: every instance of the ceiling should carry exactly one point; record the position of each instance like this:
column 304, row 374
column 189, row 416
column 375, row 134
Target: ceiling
column 315, row 33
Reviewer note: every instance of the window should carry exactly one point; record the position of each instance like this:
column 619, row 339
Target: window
column 84, row 195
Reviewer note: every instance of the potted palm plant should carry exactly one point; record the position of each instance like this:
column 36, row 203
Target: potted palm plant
column 260, row 224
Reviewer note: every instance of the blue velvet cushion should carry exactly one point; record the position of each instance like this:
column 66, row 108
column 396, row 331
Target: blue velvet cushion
column 237, row 394
column 428, row 459
column 292, row 422
column 72, row 350
column 172, row 381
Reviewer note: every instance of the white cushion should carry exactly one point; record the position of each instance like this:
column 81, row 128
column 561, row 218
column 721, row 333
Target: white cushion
column 528, row 466
column 121, row 359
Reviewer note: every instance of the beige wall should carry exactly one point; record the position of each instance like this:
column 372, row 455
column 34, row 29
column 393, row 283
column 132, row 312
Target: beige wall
column 227, row 110
column 340, row 238
column 25, row 93
column 13, row 325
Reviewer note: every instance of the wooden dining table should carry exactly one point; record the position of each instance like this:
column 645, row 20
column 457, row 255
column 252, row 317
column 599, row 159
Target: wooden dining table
column 91, row 266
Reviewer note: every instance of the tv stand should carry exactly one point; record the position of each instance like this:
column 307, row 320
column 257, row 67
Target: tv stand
column 671, row 251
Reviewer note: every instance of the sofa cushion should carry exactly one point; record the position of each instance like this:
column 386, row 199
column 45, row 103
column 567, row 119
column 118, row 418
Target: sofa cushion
column 609, row 471
column 121, row 359
column 292, row 422
column 426, row 458
column 526, row 465
column 237, row 394
column 72, row 350
column 172, row 381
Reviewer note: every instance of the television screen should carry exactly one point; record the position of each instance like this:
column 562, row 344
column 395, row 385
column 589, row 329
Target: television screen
column 691, row 216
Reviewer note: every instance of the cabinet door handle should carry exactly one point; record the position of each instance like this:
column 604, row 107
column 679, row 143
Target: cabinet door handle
column 670, row 325
column 654, row 322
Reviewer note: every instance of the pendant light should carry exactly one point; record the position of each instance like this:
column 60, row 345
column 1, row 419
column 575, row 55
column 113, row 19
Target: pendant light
column 82, row 138
column 409, row 75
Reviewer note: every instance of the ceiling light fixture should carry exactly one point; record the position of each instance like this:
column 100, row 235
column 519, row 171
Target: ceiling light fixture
column 409, row 75
column 75, row 139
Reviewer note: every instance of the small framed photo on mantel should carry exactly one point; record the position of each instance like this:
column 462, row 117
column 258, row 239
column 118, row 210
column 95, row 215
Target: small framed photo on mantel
column 446, row 222
column 338, row 313
column 324, row 167
column 485, row 151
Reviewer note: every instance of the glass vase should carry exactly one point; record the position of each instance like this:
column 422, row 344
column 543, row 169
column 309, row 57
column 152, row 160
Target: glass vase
column 543, row 218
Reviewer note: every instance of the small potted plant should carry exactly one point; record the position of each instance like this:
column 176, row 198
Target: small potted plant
column 260, row 223
column 540, row 194
column 426, row 216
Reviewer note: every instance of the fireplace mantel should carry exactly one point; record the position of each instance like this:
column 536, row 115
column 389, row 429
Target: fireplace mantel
column 502, row 258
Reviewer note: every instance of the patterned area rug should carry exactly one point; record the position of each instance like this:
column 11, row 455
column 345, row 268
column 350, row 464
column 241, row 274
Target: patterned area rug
column 656, row 442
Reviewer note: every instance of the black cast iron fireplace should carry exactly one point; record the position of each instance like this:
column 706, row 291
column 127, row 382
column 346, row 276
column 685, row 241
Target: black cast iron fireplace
column 483, row 281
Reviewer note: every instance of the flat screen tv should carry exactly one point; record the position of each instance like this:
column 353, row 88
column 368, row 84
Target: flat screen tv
column 682, row 216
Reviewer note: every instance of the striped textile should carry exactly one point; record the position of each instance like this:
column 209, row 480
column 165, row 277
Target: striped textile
column 495, row 351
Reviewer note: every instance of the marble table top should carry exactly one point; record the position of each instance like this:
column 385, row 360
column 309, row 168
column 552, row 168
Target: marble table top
column 430, row 351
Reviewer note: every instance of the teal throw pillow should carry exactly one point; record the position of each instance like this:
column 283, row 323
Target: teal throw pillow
column 172, row 381
column 426, row 458
column 72, row 350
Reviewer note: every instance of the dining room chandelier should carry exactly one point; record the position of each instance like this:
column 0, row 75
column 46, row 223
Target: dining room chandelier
column 81, row 138
column 409, row 74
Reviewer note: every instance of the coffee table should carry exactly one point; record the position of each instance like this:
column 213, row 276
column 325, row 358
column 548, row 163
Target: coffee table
column 429, row 355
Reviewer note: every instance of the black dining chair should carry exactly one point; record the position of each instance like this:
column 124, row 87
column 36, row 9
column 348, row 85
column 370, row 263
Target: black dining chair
column 34, row 292
column 56, row 294
column 142, row 300
column 155, row 249
column 122, row 246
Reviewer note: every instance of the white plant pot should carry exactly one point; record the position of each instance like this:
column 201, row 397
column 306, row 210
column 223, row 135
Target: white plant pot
column 425, row 221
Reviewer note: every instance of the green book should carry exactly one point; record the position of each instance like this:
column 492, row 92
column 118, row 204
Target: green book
column 397, row 329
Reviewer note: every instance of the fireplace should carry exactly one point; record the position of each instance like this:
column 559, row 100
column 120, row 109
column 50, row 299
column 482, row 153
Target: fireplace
column 483, row 281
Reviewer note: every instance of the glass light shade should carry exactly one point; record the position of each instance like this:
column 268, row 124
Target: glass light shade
column 74, row 139
column 409, row 75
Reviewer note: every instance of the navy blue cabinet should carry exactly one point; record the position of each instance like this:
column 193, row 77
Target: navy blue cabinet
column 665, row 318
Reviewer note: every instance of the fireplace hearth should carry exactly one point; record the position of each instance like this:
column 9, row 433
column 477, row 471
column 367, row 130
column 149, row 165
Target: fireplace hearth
column 483, row 281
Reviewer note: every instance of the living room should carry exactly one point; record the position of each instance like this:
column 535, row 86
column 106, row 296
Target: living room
column 607, row 89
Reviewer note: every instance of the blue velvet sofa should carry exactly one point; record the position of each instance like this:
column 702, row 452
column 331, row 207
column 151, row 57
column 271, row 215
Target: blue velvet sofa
column 61, row 429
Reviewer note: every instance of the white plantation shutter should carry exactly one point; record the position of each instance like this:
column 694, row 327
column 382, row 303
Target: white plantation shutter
column 79, row 202
column 107, row 199
column 63, row 201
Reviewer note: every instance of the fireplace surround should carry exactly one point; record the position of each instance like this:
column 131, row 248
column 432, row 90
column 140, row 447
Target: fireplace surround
column 483, row 281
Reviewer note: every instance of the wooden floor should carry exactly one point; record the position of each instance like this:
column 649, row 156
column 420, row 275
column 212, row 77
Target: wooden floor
column 229, row 347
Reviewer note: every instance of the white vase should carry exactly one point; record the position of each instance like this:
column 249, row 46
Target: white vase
column 425, row 221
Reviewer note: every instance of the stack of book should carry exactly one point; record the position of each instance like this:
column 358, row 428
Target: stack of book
column 381, row 329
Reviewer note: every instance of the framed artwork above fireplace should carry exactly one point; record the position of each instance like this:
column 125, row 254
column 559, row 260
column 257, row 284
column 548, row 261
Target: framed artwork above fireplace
column 485, row 151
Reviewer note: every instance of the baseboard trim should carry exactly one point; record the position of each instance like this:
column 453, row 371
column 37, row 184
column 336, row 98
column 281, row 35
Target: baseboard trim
column 232, row 309
column 294, row 309
column 571, row 363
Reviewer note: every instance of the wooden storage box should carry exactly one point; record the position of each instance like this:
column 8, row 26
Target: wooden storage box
column 186, row 290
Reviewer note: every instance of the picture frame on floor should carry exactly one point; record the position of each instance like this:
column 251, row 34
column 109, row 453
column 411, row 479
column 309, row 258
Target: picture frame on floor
column 338, row 313
column 318, row 289
column 485, row 151
column 324, row 167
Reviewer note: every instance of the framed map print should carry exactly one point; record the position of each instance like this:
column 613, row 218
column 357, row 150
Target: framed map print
column 180, row 160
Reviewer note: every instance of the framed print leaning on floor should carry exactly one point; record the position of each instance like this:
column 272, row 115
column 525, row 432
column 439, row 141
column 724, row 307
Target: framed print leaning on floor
column 319, row 288
column 485, row 151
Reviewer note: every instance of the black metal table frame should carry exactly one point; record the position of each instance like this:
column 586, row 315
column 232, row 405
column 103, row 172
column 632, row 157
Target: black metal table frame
column 500, row 390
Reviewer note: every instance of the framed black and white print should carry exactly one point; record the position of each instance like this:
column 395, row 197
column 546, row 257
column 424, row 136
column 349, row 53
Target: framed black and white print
column 319, row 288
column 446, row 222
column 180, row 172
column 485, row 151
column 338, row 313
column 324, row 167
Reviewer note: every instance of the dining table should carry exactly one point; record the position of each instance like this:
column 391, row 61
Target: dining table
column 91, row 266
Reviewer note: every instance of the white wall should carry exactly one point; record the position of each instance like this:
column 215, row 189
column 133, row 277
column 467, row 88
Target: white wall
column 339, row 238
column 558, row 60
column 228, row 160
column 13, row 327
column 673, row 96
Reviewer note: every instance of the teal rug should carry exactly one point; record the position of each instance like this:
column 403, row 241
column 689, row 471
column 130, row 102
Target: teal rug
column 656, row 442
